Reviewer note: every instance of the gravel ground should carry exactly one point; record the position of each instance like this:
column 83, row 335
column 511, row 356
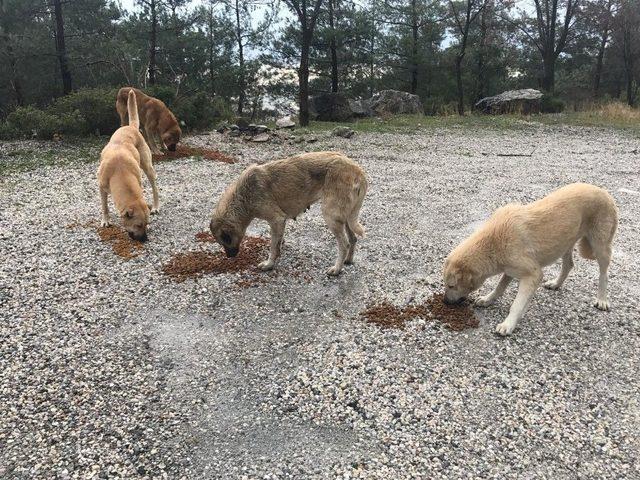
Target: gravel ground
column 110, row 369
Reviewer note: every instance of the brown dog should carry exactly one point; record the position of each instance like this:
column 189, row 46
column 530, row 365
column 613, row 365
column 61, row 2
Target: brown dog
column 156, row 119
column 119, row 174
column 283, row 189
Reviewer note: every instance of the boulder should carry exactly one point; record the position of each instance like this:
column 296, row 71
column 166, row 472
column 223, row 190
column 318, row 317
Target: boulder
column 261, row 137
column 253, row 128
column 330, row 107
column 344, row 132
column 527, row 100
column 360, row 108
column 395, row 102
column 242, row 123
column 285, row 122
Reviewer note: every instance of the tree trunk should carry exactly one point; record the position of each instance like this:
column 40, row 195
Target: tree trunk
column 481, row 51
column 548, row 74
column 333, row 49
column 459, row 84
column 414, row 46
column 61, row 50
column 242, row 76
column 211, row 47
column 599, row 61
column 153, row 43
column 303, row 77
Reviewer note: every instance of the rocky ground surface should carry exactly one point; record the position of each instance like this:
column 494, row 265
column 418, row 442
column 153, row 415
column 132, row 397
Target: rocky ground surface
column 110, row 369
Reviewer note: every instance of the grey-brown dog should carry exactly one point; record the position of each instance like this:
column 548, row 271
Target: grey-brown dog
column 283, row 189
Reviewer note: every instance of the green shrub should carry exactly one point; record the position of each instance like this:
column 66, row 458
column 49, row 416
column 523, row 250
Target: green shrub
column 435, row 106
column 162, row 92
column 200, row 112
column 97, row 106
column 551, row 104
column 30, row 121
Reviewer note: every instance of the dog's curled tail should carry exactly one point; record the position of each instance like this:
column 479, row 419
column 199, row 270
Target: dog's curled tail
column 585, row 249
column 132, row 110
column 354, row 224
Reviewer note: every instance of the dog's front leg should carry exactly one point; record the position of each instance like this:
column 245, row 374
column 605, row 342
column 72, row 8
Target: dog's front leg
column 526, row 289
column 496, row 293
column 277, row 231
column 105, row 208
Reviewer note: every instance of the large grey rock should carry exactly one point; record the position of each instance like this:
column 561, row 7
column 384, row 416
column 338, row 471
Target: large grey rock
column 395, row 102
column 360, row 108
column 526, row 100
column 330, row 107
column 344, row 132
column 285, row 122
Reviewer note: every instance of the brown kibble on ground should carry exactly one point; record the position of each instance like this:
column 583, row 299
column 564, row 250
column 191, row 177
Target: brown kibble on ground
column 205, row 237
column 455, row 317
column 183, row 151
column 120, row 241
column 199, row 262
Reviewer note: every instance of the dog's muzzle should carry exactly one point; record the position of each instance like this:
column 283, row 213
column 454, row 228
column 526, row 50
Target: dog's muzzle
column 231, row 252
column 457, row 301
column 172, row 147
column 139, row 238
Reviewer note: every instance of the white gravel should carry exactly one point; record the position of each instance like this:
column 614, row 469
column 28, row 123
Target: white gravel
column 108, row 369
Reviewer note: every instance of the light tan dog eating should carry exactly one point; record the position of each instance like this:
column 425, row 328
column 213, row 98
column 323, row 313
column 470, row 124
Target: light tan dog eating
column 119, row 175
column 283, row 189
column 519, row 240
column 159, row 125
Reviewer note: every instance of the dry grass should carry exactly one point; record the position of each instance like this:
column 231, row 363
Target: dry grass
column 617, row 112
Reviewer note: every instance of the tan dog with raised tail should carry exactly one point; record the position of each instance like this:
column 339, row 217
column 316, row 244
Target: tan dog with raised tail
column 119, row 174
column 283, row 189
column 519, row 240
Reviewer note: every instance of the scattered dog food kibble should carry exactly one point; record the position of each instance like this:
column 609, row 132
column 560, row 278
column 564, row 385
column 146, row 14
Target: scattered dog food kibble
column 205, row 237
column 122, row 244
column 183, row 151
column 455, row 317
column 197, row 263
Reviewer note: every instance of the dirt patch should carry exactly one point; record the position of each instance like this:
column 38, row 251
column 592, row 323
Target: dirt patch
column 199, row 262
column 120, row 241
column 455, row 317
column 183, row 151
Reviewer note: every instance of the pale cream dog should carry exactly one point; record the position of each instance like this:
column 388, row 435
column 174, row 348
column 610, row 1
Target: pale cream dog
column 519, row 240
column 119, row 175
column 283, row 189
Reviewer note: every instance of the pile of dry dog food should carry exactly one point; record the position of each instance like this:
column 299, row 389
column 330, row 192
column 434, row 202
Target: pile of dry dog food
column 183, row 151
column 122, row 244
column 455, row 317
column 196, row 263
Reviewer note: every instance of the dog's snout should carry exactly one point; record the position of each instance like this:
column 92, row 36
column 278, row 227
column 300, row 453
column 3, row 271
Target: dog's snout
column 231, row 252
column 449, row 301
column 172, row 147
column 140, row 237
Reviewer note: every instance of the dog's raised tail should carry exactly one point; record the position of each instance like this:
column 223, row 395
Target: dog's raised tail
column 585, row 249
column 132, row 110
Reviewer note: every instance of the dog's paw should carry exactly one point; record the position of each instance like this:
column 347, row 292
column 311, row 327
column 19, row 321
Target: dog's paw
column 333, row 271
column 551, row 285
column 105, row 223
column 602, row 305
column 484, row 301
column 348, row 262
column 265, row 266
column 154, row 211
column 505, row 328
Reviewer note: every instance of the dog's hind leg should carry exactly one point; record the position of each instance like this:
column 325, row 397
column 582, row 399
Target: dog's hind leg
column 527, row 287
column 277, row 232
column 603, row 256
column 497, row 292
column 352, row 244
column 105, row 208
column 338, row 228
column 567, row 265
